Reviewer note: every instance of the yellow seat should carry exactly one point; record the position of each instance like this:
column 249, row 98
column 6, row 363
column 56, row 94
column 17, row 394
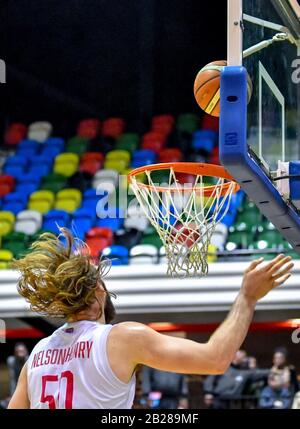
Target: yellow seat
column 69, row 193
column 6, row 256
column 116, row 164
column 66, row 164
column 7, row 220
column 68, row 199
column 41, row 201
column 118, row 154
column 212, row 250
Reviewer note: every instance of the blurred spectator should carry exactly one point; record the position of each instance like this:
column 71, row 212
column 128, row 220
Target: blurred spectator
column 275, row 396
column 286, row 372
column 221, row 391
column 252, row 362
column 170, row 389
column 4, row 403
column 15, row 364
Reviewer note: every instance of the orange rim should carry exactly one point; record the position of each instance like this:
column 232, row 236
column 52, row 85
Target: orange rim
column 196, row 168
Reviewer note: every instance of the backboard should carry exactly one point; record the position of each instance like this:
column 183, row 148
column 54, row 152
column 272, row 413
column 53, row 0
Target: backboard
column 264, row 39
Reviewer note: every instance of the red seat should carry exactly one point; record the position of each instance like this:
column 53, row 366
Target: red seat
column 184, row 178
column 210, row 123
column 162, row 128
column 170, row 155
column 15, row 133
column 166, row 119
column 101, row 232
column 92, row 156
column 90, row 166
column 156, row 146
column 96, row 245
column 154, row 136
column 113, row 127
column 4, row 189
column 89, row 128
column 214, row 156
column 7, row 180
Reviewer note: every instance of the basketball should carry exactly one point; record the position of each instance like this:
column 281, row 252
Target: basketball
column 207, row 87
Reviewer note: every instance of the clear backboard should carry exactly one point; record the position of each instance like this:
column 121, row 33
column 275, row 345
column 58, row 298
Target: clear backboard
column 264, row 40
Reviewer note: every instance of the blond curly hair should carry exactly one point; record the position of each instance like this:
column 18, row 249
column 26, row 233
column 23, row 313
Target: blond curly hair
column 58, row 276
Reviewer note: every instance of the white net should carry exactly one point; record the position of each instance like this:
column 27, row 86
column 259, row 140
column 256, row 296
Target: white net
column 185, row 216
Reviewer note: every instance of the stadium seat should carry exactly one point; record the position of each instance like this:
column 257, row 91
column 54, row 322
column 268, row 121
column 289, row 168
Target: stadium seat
column 204, row 140
column 90, row 199
column 6, row 256
column 99, row 232
column 7, row 184
column 68, row 199
column 136, row 218
column 106, row 179
column 239, row 240
column 14, row 134
column 143, row 157
column 7, row 220
column 54, row 142
column 128, row 238
column 128, row 142
column 55, row 219
column 27, row 188
column 89, row 128
column 96, row 246
column 15, row 202
column 83, row 220
column 16, row 160
column 54, row 182
column 39, row 131
column 143, row 254
column 113, row 220
column 170, row 155
column 28, row 221
column 66, row 164
column 113, row 127
column 41, row 201
column 40, row 170
column 187, row 122
column 116, row 164
column 77, row 145
column 91, row 162
column 219, row 236
column 118, row 255
column 117, row 155
column 152, row 239
column 14, row 170
column 16, row 242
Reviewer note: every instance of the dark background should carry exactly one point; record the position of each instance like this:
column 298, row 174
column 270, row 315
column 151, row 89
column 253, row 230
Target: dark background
column 70, row 59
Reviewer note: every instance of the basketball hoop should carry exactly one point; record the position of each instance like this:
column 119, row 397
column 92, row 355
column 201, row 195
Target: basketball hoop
column 184, row 209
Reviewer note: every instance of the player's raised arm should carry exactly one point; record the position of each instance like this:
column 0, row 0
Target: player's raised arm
column 142, row 345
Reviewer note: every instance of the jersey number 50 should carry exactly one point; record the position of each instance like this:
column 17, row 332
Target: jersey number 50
column 50, row 399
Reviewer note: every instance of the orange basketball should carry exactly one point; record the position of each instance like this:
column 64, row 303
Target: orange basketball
column 207, row 87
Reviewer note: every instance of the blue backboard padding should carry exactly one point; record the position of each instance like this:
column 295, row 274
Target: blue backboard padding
column 238, row 162
column 294, row 170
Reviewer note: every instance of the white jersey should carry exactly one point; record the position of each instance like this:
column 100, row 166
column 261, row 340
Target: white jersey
column 70, row 369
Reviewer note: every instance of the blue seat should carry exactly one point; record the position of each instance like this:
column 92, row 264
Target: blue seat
column 54, row 219
column 28, row 144
column 30, row 178
column 143, row 157
column 204, row 140
column 119, row 255
column 16, row 160
column 14, row 206
column 50, row 152
column 14, row 170
column 27, row 188
column 114, row 220
column 15, row 196
column 91, row 199
column 40, row 170
column 57, row 142
column 83, row 220
column 41, row 160
column 27, row 153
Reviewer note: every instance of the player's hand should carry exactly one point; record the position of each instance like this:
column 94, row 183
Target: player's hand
column 259, row 280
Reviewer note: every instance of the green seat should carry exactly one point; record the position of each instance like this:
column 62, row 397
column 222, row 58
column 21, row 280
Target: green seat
column 250, row 217
column 263, row 245
column 54, row 182
column 128, row 141
column 241, row 239
column 272, row 237
column 160, row 176
column 187, row 122
column 77, row 145
column 16, row 242
column 152, row 239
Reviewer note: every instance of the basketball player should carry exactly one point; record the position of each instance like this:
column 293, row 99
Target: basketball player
column 89, row 363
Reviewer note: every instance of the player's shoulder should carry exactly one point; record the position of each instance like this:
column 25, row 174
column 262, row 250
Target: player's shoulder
column 129, row 330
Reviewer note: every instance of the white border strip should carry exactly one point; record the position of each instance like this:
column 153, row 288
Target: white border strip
column 264, row 75
column 234, row 33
